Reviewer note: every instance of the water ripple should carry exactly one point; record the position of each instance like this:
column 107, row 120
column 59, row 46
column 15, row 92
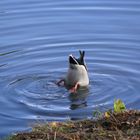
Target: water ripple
column 36, row 40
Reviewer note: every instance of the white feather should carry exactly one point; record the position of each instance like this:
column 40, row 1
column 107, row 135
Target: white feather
column 77, row 74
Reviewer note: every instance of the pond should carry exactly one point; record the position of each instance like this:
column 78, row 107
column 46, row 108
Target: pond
column 36, row 38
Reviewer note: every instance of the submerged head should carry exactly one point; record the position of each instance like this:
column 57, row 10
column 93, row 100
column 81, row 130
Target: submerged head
column 74, row 62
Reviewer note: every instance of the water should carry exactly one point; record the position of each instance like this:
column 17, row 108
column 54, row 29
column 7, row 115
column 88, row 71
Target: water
column 36, row 38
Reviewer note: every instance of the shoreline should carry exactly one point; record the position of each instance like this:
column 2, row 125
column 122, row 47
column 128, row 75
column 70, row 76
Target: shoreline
column 117, row 126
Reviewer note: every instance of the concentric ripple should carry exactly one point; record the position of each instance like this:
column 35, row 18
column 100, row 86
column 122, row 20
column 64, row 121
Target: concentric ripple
column 36, row 38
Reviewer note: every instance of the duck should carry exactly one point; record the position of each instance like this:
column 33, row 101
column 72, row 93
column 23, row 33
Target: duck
column 77, row 74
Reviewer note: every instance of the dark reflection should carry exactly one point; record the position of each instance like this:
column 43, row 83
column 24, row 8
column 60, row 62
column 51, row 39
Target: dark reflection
column 78, row 105
column 3, row 65
column 6, row 53
column 78, row 99
column 15, row 81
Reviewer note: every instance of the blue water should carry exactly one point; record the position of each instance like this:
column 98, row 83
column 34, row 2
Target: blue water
column 36, row 38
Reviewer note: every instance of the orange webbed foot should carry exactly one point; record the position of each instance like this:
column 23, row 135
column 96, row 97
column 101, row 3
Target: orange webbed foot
column 75, row 88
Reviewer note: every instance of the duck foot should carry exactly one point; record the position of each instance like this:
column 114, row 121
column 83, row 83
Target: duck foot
column 60, row 83
column 75, row 88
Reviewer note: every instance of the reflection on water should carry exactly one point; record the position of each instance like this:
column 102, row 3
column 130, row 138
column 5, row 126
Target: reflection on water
column 78, row 99
column 36, row 38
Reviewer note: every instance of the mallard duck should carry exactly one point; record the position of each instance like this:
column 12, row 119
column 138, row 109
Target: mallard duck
column 77, row 75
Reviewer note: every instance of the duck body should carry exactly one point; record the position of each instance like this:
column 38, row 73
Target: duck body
column 77, row 75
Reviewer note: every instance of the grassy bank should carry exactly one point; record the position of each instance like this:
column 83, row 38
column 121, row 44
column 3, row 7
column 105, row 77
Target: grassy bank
column 116, row 126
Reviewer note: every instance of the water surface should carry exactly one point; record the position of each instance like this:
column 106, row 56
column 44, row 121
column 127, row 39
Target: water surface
column 36, row 38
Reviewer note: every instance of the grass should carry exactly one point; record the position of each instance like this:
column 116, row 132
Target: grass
column 118, row 126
